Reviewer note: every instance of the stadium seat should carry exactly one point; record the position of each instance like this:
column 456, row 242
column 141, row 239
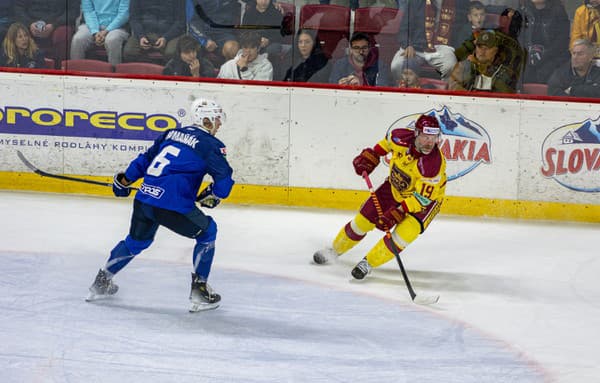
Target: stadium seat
column 50, row 63
column 86, row 65
column 139, row 68
column 438, row 84
column 332, row 23
column 534, row 88
column 383, row 24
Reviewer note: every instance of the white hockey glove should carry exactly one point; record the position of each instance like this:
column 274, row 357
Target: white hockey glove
column 206, row 198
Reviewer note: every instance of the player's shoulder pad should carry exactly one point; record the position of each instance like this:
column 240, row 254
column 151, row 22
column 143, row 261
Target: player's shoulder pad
column 431, row 164
column 400, row 137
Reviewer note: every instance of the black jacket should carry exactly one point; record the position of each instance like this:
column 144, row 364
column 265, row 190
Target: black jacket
column 178, row 67
column 56, row 12
column 564, row 78
column 37, row 61
column 271, row 17
column 163, row 17
column 315, row 69
column 546, row 38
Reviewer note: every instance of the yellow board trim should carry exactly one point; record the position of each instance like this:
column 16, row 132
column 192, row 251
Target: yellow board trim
column 330, row 198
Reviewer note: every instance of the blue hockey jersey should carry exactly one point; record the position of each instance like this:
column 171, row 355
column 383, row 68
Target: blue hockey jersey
column 174, row 166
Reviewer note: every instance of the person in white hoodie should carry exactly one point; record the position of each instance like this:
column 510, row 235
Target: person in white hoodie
column 248, row 64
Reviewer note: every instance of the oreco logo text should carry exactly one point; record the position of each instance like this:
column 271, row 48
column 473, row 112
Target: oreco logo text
column 465, row 144
column 571, row 156
column 81, row 123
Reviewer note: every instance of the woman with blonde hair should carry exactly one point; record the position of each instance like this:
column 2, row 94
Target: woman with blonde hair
column 19, row 50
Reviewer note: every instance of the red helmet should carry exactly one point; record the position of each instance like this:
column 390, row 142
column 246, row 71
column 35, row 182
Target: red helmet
column 427, row 124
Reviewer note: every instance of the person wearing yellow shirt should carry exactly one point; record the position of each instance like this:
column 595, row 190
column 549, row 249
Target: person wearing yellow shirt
column 410, row 197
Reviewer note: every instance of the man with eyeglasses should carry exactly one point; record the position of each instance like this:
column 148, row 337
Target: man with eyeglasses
column 360, row 66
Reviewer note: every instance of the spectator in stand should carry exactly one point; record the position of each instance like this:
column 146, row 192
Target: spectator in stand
column 221, row 43
column 426, row 34
column 476, row 20
column 309, row 64
column 50, row 22
column 507, row 35
column 485, row 70
column 360, row 66
column 188, row 60
column 19, row 50
column 263, row 12
column 586, row 25
column 545, row 37
column 7, row 16
column 579, row 77
column 248, row 64
column 155, row 25
column 104, row 23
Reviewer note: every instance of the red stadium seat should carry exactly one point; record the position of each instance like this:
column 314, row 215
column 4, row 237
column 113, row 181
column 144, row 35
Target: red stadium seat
column 383, row 24
column 50, row 63
column 438, row 84
column 139, row 68
column 332, row 23
column 86, row 65
column 533, row 88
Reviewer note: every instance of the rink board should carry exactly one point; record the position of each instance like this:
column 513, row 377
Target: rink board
column 294, row 145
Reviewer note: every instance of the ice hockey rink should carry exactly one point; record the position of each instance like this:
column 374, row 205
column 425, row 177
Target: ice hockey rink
column 519, row 301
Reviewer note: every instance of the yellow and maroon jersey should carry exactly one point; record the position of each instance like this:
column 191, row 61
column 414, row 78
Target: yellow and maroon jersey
column 418, row 181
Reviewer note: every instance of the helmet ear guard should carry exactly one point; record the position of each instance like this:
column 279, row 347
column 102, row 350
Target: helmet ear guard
column 203, row 108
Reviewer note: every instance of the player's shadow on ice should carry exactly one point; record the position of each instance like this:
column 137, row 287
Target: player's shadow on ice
column 441, row 281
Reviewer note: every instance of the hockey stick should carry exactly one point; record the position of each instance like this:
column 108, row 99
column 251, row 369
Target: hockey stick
column 204, row 17
column 61, row 177
column 419, row 299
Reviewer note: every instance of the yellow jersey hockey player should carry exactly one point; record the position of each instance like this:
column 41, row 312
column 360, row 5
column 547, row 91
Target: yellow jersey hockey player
column 410, row 197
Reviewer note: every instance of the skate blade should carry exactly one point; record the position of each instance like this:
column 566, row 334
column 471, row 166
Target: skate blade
column 198, row 307
column 426, row 299
column 91, row 297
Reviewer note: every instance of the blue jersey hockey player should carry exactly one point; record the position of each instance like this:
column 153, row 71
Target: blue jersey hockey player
column 172, row 170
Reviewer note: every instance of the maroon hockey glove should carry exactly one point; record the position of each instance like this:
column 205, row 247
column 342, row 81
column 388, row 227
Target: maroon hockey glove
column 390, row 218
column 366, row 161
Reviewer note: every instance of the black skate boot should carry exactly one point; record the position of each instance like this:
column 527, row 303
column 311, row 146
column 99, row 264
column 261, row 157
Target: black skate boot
column 202, row 296
column 102, row 287
column 324, row 256
column 362, row 269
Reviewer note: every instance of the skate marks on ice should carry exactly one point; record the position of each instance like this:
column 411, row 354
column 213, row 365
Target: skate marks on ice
column 271, row 329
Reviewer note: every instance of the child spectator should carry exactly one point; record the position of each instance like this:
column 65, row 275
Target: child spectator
column 410, row 77
column 155, row 25
column 586, row 24
column 248, row 64
column 476, row 19
column 360, row 66
column 103, row 25
column 19, row 50
column 50, row 22
column 545, row 37
column 188, row 62
column 579, row 77
column 309, row 64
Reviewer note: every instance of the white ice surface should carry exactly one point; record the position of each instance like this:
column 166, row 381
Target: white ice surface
column 520, row 302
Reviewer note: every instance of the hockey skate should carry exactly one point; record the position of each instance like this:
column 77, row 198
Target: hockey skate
column 362, row 269
column 324, row 256
column 102, row 287
column 202, row 296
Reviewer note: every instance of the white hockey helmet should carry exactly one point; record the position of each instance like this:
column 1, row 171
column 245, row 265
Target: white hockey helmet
column 203, row 108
